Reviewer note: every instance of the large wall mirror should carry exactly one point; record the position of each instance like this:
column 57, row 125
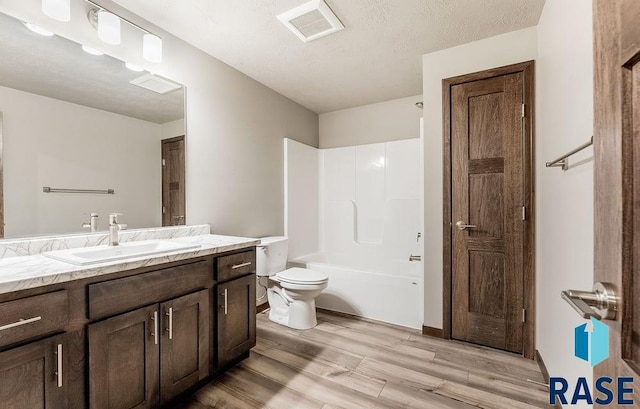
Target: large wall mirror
column 71, row 119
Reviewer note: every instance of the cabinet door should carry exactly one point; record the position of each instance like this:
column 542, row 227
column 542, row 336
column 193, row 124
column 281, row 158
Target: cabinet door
column 184, row 354
column 32, row 376
column 236, row 319
column 123, row 361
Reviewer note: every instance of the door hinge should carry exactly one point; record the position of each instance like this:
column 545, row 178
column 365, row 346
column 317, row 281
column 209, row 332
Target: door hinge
column 524, row 110
column 164, row 210
column 524, row 315
column 524, row 213
column 162, row 162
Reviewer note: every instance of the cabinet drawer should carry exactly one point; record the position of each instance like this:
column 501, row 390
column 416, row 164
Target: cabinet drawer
column 235, row 265
column 32, row 317
column 125, row 294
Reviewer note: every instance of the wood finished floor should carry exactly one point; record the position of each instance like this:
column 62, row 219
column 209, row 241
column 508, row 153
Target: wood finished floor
column 346, row 362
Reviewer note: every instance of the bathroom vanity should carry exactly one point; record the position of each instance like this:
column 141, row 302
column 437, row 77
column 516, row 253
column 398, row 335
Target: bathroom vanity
column 133, row 333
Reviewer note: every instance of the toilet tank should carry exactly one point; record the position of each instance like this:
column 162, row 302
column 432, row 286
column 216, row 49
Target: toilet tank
column 271, row 255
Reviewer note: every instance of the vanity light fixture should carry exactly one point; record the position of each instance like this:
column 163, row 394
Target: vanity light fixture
column 91, row 50
column 109, row 27
column 38, row 29
column 57, row 9
column 133, row 67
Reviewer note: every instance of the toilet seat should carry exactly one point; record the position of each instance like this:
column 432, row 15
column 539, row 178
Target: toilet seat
column 302, row 276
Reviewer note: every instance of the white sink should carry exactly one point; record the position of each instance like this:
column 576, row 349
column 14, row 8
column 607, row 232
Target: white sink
column 102, row 254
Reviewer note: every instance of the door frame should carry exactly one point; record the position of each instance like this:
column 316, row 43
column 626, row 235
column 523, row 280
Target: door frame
column 527, row 68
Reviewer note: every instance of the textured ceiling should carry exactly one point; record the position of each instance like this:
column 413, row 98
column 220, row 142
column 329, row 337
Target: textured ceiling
column 376, row 58
column 58, row 68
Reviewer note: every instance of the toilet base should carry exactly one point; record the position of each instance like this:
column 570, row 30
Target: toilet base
column 286, row 308
column 300, row 315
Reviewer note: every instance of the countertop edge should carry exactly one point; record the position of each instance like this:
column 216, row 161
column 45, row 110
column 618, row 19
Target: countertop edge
column 74, row 273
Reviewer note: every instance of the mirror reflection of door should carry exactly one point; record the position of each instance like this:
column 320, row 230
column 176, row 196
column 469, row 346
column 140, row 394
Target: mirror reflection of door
column 173, row 195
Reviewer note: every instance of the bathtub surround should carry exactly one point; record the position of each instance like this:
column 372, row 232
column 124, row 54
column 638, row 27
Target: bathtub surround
column 235, row 126
column 506, row 49
column 302, row 206
column 370, row 217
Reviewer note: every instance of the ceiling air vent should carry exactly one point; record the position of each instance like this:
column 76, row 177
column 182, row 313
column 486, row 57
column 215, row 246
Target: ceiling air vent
column 155, row 84
column 311, row 21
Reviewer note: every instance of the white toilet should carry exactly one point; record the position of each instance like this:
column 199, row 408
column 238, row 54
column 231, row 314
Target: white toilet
column 291, row 293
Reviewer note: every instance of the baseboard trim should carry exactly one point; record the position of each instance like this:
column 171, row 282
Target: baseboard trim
column 262, row 307
column 432, row 332
column 545, row 372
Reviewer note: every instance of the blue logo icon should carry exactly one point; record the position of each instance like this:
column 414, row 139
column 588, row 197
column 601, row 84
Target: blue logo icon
column 592, row 342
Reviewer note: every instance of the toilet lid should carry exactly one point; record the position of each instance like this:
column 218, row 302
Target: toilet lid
column 302, row 276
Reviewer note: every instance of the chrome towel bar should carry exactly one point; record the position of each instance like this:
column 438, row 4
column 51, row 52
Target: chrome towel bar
column 563, row 161
column 48, row 189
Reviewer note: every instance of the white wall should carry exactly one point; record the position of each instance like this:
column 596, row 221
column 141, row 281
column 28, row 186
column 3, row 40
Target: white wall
column 235, row 125
column 302, row 198
column 173, row 129
column 564, row 71
column 510, row 48
column 382, row 122
column 48, row 142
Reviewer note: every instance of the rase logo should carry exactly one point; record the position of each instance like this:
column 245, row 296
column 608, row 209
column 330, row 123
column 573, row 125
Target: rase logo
column 591, row 344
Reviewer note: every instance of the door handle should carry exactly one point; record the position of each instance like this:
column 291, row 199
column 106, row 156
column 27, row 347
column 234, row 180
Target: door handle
column 170, row 329
column 462, row 226
column 155, row 327
column 414, row 258
column 600, row 303
column 225, row 306
column 59, row 363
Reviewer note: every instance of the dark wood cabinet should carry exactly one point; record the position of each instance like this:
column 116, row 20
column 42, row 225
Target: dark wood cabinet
column 32, row 376
column 236, row 332
column 129, row 339
column 150, row 355
column 123, row 361
column 184, row 345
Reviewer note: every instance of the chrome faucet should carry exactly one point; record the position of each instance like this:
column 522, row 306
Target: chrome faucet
column 114, row 227
column 93, row 223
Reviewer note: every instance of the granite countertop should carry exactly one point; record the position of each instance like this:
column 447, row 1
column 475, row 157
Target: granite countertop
column 20, row 273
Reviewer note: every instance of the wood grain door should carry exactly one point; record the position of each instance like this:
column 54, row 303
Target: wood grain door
column 236, row 318
column 173, row 177
column 184, row 352
column 124, row 361
column 617, row 177
column 487, row 229
column 29, row 376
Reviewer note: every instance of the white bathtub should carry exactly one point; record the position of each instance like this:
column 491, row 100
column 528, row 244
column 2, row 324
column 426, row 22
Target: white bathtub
column 385, row 290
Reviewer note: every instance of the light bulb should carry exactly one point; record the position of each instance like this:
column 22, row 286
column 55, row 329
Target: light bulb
column 152, row 48
column 57, row 9
column 108, row 27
